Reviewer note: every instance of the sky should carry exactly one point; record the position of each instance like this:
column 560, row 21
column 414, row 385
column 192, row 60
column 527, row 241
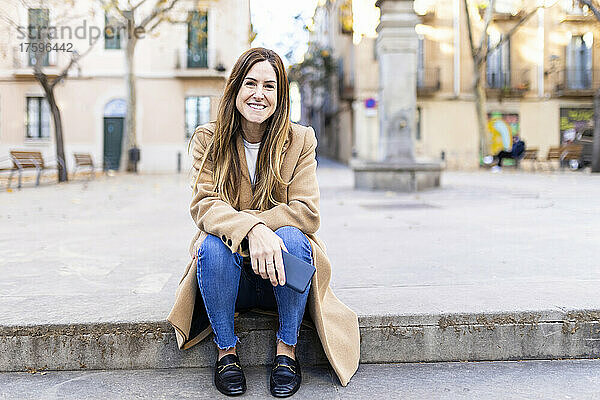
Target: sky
column 278, row 29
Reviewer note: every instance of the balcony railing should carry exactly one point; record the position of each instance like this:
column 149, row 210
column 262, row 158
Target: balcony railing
column 190, row 64
column 513, row 83
column 428, row 81
column 577, row 82
column 187, row 58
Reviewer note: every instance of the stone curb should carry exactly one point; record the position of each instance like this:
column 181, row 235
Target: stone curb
column 384, row 339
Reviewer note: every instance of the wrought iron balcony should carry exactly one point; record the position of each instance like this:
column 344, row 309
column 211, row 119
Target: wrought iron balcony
column 512, row 83
column 428, row 81
column 191, row 58
column 197, row 64
column 577, row 82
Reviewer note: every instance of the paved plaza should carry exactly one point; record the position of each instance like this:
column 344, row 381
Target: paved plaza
column 114, row 249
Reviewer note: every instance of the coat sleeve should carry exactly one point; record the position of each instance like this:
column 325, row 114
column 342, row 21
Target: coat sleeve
column 210, row 213
column 302, row 209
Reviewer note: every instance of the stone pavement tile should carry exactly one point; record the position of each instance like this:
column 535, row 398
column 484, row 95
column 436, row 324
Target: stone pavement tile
column 570, row 379
column 184, row 383
column 567, row 379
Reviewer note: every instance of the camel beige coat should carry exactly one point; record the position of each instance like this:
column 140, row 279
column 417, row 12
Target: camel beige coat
column 336, row 324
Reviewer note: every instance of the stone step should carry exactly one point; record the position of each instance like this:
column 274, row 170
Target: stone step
column 553, row 334
column 566, row 379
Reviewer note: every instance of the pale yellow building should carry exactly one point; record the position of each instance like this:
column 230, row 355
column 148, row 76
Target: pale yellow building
column 181, row 69
column 539, row 85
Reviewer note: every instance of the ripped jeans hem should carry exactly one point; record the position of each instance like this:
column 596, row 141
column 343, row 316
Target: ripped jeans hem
column 280, row 339
column 237, row 340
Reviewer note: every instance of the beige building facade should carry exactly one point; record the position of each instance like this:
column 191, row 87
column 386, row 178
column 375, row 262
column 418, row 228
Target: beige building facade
column 539, row 85
column 180, row 68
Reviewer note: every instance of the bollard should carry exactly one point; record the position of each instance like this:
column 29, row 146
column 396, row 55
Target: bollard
column 134, row 158
column 178, row 162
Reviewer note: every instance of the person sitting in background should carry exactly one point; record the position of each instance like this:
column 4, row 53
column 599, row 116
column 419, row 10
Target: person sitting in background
column 517, row 150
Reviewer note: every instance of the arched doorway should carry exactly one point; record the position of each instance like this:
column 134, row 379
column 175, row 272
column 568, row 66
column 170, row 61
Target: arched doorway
column 114, row 122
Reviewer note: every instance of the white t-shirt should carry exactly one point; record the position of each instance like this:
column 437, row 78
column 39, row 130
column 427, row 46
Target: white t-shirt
column 251, row 150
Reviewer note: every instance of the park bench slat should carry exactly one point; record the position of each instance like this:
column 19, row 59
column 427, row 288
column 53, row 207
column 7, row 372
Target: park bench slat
column 572, row 152
column 27, row 159
column 530, row 154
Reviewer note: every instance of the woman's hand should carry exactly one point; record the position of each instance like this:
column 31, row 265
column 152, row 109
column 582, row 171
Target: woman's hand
column 265, row 247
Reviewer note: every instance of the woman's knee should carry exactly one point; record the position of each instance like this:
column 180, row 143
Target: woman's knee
column 212, row 248
column 293, row 238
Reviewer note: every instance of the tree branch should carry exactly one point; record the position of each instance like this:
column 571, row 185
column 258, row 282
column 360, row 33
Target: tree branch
column 156, row 24
column 511, row 32
column 156, row 11
column 137, row 5
column 115, row 6
column 8, row 20
column 470, row 30
column 74, row 59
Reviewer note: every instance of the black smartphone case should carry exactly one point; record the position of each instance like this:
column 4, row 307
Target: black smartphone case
column 298, row 273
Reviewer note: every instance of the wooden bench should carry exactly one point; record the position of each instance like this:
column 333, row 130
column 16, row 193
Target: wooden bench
column 24, row 160
column 528, row 154
column 554, row 153
column 566, row 152
column 572, row 152
column 83, row 160
column 531, row 155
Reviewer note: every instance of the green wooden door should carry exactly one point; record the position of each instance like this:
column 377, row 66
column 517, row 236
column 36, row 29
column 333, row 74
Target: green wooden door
column 113, row 139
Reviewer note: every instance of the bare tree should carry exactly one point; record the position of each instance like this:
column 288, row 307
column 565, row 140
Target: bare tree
column 48, row 84
column 130, row 14
column 480, row 53
column 40, row 47
column 595, row 8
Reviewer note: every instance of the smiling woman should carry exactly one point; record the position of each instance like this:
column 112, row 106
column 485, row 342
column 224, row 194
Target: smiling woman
column 246, row 219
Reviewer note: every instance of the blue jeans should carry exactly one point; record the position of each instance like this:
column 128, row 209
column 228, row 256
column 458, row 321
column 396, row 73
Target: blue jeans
column 227, row 283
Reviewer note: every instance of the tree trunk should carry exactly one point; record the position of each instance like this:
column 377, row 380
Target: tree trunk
column 596, row 148
column 60, row 150
column 480, row 101
column 131, row 134
column 56, row 119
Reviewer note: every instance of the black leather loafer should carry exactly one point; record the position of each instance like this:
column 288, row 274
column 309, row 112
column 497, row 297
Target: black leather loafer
column 285, row 376
column 229, row 377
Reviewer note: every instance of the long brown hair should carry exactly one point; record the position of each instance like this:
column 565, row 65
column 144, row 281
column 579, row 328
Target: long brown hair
column 222, row 146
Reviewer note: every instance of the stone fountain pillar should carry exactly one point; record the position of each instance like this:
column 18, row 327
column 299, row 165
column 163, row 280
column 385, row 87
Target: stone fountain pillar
column 395, row 167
